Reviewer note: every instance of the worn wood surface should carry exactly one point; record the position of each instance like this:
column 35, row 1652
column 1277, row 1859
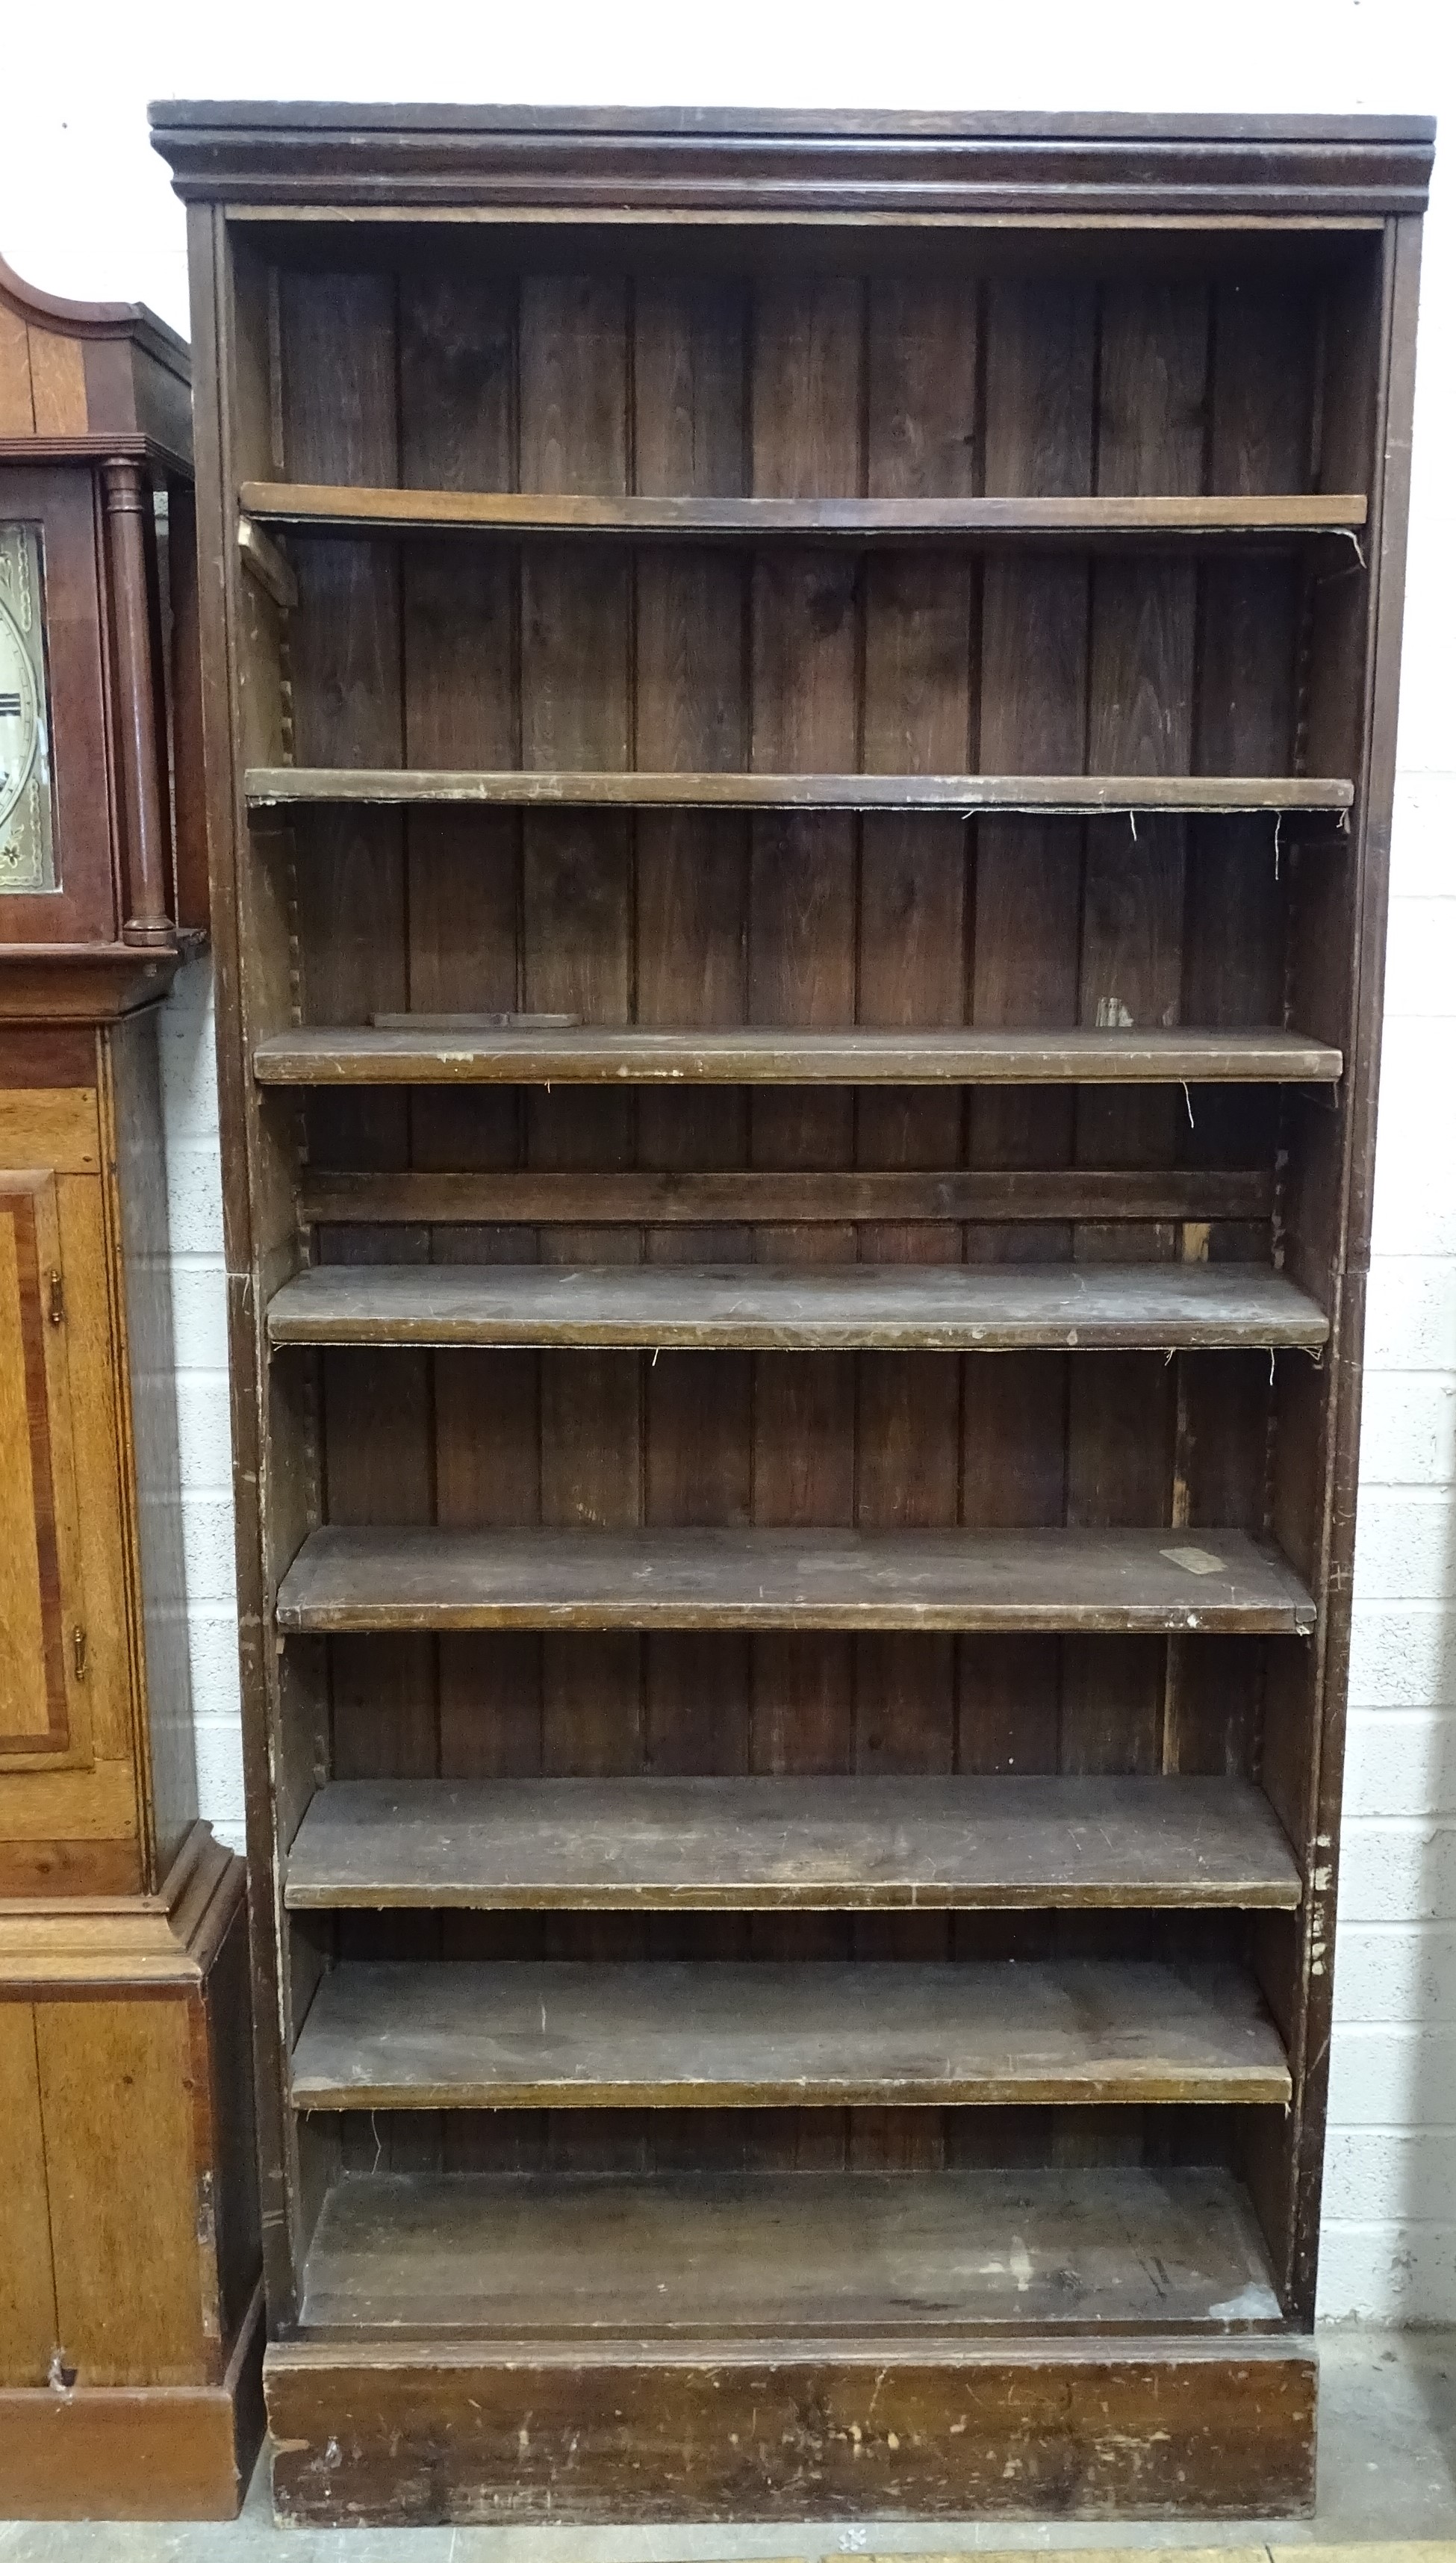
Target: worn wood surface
column 718, row 2254
column 138, row 2451
column 44, row 1709
column 135, row 2293
column 397, row 2035
column 573, row 788
column 1163, row 2427
column 737, row 1198
column 849, row 1844
column 789, row 1308
column 1151, row 1580
column 331, row 508
column 26, row 2278
column 350, row 1054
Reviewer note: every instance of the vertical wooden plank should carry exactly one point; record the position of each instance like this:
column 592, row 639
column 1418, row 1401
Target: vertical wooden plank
column 116, row 2105
column 1152, row 438
column 17, row 410
column 577, row 910
column 1237, row 917
column 805, row 439
column 339, row 413
column 28, row 2332
column 1038, row 442
column 688, row 390
column 1039, row 348
column 806, row 407
column 922, row 428
column 1261, row 403
column 579, row 957
column 457, row 424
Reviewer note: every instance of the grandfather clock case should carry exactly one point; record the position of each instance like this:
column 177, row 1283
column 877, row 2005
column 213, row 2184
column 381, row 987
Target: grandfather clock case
column 800, row 723
column 130, row 2254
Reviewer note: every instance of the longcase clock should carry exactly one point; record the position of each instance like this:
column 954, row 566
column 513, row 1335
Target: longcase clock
column 130, row 2304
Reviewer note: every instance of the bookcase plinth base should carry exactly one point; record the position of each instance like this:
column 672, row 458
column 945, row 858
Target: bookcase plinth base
column 369, row 2432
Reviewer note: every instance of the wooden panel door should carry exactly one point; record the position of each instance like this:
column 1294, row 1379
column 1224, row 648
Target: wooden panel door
column 43, row 1701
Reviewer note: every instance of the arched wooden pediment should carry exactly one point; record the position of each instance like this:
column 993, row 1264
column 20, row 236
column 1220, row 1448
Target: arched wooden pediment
column 79, row 372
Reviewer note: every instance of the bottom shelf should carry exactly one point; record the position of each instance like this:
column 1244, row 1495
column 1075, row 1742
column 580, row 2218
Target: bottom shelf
column 1096, row 2344
column 818, row 2255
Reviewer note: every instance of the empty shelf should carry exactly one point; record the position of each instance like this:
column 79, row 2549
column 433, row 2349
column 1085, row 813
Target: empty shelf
column 1112, row 1580
column 1066, row 795
column 526, row 2034
column 327, row 508
column 782, row 1307
column 752, row 1197
column 786, row 1055
column 838, row 1845
column 721, row 2254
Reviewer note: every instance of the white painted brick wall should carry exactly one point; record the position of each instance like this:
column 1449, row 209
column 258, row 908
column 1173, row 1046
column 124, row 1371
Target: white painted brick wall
column 200, row 1328
column 85, row 208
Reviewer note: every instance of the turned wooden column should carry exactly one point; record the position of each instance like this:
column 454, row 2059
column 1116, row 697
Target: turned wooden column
column 144, row 823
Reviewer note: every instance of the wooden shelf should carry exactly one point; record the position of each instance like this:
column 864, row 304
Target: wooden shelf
column 1071, row 796
column 751, row 1196
column 1155, row 1581
column 526, row 2034
column 329, row 509
column 786, row 1055
column 789, row 1308
column 820, row 1844
column 738, row 2255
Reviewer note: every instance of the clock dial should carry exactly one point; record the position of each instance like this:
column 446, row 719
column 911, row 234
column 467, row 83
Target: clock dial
column 27, row 859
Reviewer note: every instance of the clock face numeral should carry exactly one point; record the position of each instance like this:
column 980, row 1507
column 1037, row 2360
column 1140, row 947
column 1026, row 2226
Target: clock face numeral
column 27, row 847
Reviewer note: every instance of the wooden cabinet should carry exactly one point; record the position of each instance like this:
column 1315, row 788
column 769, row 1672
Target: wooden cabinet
column 800, row 729
column 130, row 2311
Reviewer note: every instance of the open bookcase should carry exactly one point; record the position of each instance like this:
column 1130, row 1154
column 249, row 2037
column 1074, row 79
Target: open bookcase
column 800, row 723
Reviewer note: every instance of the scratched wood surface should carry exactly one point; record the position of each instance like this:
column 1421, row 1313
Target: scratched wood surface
column 1152, row 2426
column 714, row 2034
column 796, row 1309
column 885, row 1840
column 791, row 1577
column 891, row 517
column 757, row 1055
column 747, row 2253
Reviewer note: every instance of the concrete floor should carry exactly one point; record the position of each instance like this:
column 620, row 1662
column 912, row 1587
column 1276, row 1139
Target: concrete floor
column 1388, row 2481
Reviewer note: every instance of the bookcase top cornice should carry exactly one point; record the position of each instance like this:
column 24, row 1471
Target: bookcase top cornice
column 862, row 165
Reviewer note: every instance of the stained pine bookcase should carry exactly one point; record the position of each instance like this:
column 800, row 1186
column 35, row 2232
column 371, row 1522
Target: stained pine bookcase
column 799, row 726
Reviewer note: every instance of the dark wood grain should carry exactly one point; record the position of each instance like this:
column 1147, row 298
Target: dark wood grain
column 885, row 516
column 1159, row 2423
column 711, row 1201
column 851, row 1844
column 568, row 788
column 720, row 2254
column 784, row 1307
column 408, row 1578
column 767, row 2035
column 776, row 1055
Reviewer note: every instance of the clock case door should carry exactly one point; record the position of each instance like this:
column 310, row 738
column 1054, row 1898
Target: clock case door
column 82, row 908
column 42, row 1703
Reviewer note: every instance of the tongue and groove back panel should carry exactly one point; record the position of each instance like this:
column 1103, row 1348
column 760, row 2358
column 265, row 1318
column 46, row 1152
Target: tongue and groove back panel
column 448, row 308
column 428, row 654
